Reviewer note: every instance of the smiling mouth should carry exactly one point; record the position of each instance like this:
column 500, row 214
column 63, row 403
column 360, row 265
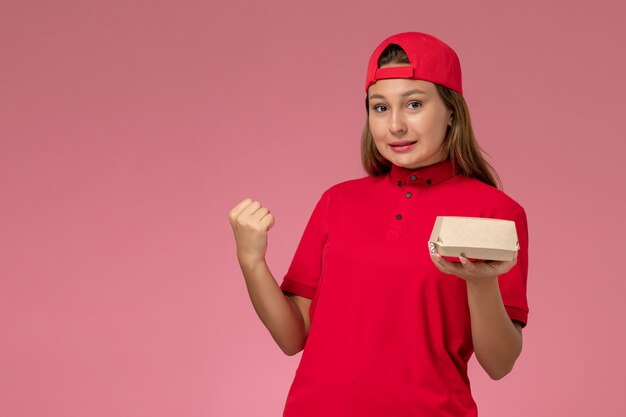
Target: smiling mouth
column 400, row 145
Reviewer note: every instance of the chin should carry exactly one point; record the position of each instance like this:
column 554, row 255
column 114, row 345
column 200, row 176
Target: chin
column 414, row 164
column 405, row 162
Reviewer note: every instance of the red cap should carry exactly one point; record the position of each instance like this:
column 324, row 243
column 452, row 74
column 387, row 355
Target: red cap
column 431, row 60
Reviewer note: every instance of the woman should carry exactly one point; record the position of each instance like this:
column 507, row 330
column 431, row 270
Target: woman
column 387, row 326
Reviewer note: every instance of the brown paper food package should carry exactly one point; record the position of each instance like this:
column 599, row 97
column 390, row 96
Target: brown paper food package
column 475, row 238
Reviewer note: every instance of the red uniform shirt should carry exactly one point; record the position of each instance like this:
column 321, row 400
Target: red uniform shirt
column 390, row 334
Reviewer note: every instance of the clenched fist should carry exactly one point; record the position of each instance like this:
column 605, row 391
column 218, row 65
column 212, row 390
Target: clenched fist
column 250, row 222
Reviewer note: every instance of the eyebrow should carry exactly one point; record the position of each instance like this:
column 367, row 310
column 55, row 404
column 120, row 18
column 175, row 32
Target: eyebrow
column 408, row 93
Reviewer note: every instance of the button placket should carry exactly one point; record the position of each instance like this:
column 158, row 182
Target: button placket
column 403, row 207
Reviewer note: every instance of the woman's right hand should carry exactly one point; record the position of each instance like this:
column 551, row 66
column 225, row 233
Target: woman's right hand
column 250, row 222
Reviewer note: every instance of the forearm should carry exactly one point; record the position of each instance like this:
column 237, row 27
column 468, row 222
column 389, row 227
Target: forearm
column 497, row 342
column 279, row 315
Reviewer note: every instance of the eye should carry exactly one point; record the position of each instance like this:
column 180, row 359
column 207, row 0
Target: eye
column 380, row 108
column 415, row 104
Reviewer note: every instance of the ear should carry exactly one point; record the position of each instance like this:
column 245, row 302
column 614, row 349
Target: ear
column 451, row 118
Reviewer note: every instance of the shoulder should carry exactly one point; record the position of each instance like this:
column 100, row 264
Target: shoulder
column 346, row 193
column 348, row 187
column 484, row 194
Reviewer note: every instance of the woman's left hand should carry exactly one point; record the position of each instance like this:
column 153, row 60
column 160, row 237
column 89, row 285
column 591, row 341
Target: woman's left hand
column 472, row 272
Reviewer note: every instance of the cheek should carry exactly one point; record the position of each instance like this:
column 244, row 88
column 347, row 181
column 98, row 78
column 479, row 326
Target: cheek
column 436, row 126
column 379, row 144
column 376, row 131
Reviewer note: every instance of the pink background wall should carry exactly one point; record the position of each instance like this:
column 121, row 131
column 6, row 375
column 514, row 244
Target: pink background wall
column 129, row 129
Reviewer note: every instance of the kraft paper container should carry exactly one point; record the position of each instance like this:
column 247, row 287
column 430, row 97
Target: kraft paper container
column 475, row 238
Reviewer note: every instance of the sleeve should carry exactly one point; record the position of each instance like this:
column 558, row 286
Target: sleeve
column 306, row 266
column 513, row 284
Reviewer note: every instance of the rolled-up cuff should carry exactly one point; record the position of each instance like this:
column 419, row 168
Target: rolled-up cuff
column 294, row 287
column 517, row 314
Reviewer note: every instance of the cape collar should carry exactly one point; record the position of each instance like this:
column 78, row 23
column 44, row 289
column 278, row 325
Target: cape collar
column 423, row 176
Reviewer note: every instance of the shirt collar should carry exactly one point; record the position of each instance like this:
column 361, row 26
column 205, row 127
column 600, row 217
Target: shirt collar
column 423, row 176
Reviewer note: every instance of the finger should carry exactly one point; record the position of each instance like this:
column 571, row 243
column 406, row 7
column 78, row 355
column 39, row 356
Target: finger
column 447, row 266
column 455, row 268
column 503, row 266
column 260, row 213
column 267, row 221
column 467, row 264
column 470, row 268
column 433, row 257
column 236, row 211
column 251, row 208
column 499, row 266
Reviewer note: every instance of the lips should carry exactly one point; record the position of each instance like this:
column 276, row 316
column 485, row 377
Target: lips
column 402, row 143
column 402, row 146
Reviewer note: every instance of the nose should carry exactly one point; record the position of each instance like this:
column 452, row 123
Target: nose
column 397, row 124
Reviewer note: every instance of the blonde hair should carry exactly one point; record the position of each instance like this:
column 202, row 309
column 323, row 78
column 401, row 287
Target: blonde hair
column 460, row 143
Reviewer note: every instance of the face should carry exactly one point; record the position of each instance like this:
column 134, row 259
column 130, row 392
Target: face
column 408, row 120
